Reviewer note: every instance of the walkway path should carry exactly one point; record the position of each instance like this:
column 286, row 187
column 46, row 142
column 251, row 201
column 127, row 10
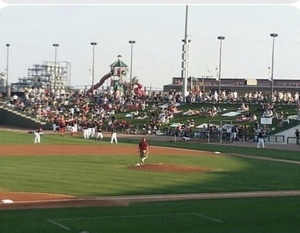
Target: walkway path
column 271, row 145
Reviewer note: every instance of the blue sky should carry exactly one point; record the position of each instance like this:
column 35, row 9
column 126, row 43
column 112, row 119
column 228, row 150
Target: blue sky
column 158, row 31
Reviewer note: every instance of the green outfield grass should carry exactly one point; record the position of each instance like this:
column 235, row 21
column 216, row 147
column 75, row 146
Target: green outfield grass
column 92, row 175
column 262, row 215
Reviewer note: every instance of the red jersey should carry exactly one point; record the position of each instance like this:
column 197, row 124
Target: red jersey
column 62, row 123
column 143, row 145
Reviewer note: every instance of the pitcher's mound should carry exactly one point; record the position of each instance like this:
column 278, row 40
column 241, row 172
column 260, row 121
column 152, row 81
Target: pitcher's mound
column 160, row 167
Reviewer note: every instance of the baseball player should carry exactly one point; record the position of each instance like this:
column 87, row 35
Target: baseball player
column 99, row 131
column 261, row 141
column 62, row 126
column 90, row 126
column 54, row 123
column 234, row 131
column 113, row 136
column 74, row 127
column 85, row 130
column 92, row 129
column 37, row 133
column 143, row 150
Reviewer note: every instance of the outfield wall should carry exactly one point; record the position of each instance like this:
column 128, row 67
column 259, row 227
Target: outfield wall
column 9, row 117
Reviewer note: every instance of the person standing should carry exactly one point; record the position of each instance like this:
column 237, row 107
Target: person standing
column 99, row 131
column 90, row 126
column 256, row 131
column 297, row 134
column 233, row 133
column 54, row 123
column 92, row 129
column 113, row 136
column 74, row 126
column 261, row 141
column 85, row 130
column 37, row 133
column 143, row 150
column 62, row 125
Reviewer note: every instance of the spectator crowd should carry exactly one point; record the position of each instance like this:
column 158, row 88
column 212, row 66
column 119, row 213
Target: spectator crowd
column 78, row 111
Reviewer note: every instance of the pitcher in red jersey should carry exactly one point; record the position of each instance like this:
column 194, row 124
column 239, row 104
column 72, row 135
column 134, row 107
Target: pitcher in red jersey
column 143, row 150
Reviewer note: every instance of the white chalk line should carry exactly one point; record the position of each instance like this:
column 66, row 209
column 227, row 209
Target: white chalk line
column 59, row 225
column 207, row 217
column 265, row 158
column 171, row 197
column 185, row 150
column 137, row 216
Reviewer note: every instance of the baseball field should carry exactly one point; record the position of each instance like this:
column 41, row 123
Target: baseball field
column 68, row 184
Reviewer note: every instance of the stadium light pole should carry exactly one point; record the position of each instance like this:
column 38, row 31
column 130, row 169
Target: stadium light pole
column 55, row 61
column 131, row 42
column 274, row 35
column 7, row 62
column 221, row 38
column 93, row 67
column 185, row 56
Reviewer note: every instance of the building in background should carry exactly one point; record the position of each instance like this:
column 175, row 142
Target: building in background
column 239, row 84
column 2, row 82
column 54, row 78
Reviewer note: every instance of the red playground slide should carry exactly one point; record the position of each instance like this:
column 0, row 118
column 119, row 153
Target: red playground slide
column 99, row 84
column 138, row 89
